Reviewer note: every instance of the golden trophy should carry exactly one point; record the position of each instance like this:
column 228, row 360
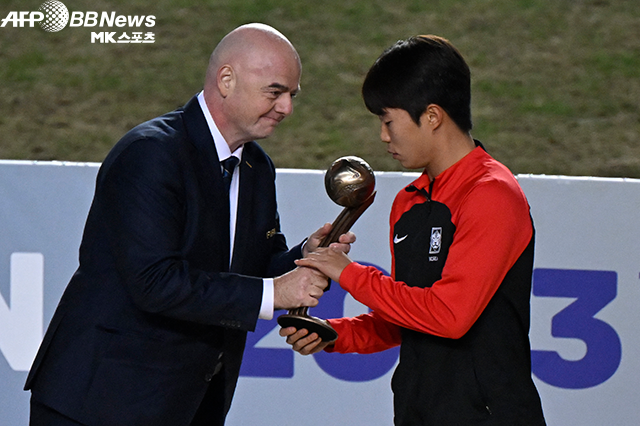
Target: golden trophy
column 349, row 182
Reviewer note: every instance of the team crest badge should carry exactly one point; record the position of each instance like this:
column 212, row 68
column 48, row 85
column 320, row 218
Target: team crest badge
column 436, row 240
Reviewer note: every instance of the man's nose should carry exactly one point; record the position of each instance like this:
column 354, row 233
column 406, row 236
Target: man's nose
column 284, row 105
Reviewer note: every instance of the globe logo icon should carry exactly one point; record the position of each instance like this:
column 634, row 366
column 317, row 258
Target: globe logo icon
column 56, row 16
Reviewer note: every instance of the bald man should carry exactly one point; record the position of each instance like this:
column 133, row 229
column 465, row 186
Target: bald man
column 175, row 260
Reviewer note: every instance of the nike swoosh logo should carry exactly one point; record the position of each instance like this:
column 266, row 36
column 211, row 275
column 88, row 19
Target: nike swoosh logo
column 397, row 240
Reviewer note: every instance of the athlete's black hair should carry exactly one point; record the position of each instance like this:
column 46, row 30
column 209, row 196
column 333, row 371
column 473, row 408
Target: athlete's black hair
column 417, row 72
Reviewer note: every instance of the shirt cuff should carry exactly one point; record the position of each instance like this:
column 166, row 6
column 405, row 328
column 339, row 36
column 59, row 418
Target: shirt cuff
column 266, row 308
column 302, row 245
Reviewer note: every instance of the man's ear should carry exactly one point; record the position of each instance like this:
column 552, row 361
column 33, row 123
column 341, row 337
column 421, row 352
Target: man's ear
column 226, row 79
column 432, row 116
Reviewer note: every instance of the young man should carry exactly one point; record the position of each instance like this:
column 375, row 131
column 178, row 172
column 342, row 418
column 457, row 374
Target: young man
column 462, row 244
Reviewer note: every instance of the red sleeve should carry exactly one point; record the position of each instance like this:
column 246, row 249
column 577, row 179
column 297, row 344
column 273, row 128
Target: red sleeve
column 493, row 228
column 364, row 334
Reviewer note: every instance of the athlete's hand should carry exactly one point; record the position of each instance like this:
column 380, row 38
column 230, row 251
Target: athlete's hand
column 303, row 342
column 330, row 261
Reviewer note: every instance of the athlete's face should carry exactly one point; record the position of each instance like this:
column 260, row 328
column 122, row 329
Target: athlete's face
column 406, row 141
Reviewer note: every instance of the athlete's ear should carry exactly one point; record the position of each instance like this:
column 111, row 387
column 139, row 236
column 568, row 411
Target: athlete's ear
column 432, row 116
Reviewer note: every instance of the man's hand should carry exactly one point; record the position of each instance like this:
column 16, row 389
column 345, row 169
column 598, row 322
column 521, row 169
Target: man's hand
column 297, row 288
column 314, row 240
column 303, row 342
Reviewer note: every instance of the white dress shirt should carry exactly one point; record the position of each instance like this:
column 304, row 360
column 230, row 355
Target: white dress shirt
column 266, row 309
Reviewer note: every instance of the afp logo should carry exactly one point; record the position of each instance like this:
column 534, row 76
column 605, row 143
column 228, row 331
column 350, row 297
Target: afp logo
column 52, row 16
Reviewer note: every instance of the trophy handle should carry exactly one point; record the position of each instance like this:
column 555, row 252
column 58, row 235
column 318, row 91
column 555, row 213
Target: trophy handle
column 345, row 221
column 300, row 317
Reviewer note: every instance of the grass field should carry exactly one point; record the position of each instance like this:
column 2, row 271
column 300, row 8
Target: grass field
column 556, row 83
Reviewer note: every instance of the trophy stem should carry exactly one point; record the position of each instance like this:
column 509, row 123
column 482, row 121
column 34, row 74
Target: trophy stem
column 299, row 317
column 345, row 221
column 299, row 311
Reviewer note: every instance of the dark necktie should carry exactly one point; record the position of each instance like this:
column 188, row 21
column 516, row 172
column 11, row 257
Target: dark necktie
column 227, row 170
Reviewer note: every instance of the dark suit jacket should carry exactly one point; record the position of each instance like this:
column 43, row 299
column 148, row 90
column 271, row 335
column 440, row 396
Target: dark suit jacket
column 153, row 307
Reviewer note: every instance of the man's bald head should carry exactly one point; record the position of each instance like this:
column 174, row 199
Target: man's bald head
column 252, row 77
column 247, row 47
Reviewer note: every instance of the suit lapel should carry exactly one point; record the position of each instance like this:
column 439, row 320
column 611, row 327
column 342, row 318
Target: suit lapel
column 208, row 167
column 200, row 136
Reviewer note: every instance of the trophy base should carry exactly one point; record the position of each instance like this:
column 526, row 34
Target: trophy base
column 311, row 324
